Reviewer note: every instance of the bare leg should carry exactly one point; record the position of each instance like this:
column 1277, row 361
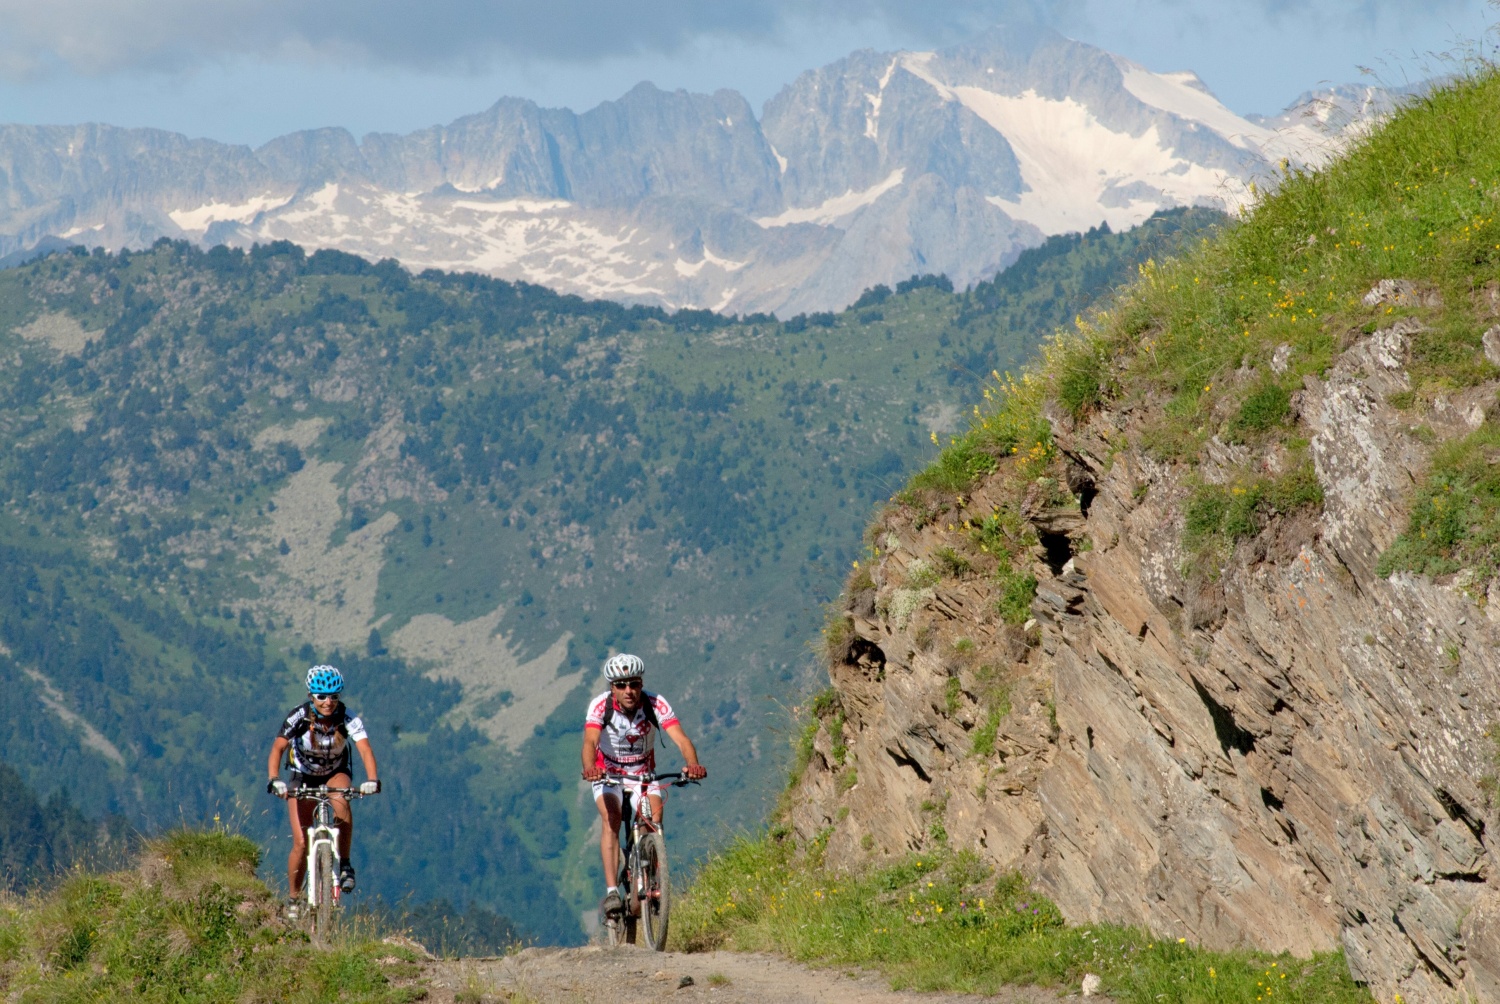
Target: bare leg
column 609, row 840
column 344, row 815
column 301, row 813
column 657, row 804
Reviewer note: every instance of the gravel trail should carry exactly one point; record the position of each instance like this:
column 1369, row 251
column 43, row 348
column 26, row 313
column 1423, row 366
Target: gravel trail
column 614, row 975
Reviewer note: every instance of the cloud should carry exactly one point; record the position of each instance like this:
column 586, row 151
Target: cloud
column 102, row 37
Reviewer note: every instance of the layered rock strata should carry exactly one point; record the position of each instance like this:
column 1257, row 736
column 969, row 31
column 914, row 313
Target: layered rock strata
column 1290, row 752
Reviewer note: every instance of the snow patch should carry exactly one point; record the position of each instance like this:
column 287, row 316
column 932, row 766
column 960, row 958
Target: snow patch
column 919, row 65
column 1078, row 171
column 493, row 183
column 687, row 269
column 531, row 206
column 200, row 219
column 779, row 158
column 1183, row 94
column 834, row 209
column 872, row 117
column 319, row 203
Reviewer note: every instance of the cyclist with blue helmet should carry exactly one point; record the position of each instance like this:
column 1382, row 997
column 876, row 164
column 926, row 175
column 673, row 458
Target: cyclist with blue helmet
column 315, row 738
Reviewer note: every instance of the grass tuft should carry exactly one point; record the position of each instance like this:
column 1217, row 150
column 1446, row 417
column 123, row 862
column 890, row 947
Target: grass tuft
column 1216, row 516
column 1455, row 516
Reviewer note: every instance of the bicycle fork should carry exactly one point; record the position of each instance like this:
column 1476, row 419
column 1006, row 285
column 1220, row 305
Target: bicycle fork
column 319, row 836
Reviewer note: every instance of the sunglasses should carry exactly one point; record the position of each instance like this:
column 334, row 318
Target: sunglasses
column 628, row 685
column 324, row 697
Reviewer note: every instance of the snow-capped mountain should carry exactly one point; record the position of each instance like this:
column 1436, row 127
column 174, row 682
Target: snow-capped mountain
column 868, row 170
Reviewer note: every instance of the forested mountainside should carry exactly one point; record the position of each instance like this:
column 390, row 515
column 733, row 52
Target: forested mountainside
column 1196, row 623
column 40, row 839
column 221, row 466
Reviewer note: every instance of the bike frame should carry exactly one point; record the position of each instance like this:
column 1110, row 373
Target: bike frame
column 638, row 820
column 323, row 833
column 636, row 823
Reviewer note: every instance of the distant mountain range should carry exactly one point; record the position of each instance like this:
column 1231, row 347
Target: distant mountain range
column 871, row 169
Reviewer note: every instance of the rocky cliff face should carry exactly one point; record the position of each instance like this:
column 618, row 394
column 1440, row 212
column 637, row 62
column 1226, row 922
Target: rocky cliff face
column 1290, row 752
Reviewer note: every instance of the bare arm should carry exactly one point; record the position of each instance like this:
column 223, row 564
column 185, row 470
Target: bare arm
column 368, row 756
column 273, row 762
column 590, row 754
column 687, row 749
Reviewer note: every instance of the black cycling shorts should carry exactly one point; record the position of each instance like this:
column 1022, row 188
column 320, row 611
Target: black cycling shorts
column 299, row 780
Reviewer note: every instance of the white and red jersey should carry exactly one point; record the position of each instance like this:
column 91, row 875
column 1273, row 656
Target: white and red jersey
column 627, row 742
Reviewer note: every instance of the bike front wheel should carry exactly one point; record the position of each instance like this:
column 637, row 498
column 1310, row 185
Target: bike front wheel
column 322, row 918
column 656, row 890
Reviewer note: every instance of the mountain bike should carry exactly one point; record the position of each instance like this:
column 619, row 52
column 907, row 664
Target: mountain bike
column 644, row 882
column 321, row 885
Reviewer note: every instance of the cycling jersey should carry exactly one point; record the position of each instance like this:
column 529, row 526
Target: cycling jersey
column 320, row 746
column 627, row 742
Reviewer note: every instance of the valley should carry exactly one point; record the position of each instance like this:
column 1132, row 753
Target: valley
column 224, row 466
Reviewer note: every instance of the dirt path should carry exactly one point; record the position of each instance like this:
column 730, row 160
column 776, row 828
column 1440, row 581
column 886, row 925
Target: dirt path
column 613, row 975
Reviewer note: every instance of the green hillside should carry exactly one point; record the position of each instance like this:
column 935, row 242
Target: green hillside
column 221, row 466
column 1208, row 347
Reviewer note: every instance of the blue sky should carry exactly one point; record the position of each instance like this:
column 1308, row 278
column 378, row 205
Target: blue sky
column 248, row 70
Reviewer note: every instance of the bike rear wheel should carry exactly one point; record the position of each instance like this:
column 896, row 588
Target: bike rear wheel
column 322, row 918
column 630, row 913
column 656, row 890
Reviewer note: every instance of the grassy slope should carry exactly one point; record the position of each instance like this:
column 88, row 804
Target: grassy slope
column 1416, row 201
column 1193, row 339
column 942, row 921
column 678, row 484
column 190, row 923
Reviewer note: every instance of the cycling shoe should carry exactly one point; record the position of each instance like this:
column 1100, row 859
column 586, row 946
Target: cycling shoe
column 346, row 879
column 612, row 902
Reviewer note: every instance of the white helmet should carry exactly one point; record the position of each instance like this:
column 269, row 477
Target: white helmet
column 623, row 667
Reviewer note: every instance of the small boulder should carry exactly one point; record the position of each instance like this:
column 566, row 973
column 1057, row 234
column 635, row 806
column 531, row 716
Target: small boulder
column 1399, row 292
column 1491, row 343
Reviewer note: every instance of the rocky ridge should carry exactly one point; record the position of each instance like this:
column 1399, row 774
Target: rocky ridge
column 1290, row 754
column 867, row 171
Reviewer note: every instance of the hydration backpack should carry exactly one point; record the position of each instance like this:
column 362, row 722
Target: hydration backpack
column 649, row 702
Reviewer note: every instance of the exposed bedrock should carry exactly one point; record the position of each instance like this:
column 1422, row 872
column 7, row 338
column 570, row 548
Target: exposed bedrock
column 1290, row 754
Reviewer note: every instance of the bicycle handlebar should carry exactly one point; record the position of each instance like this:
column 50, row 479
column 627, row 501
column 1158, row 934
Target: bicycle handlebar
column 323, row 791
column 615, row 777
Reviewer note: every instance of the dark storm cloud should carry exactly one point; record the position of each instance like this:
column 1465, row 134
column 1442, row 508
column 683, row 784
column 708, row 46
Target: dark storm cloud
column 95, row 37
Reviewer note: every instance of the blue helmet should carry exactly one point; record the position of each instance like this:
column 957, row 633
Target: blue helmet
column 324, row 680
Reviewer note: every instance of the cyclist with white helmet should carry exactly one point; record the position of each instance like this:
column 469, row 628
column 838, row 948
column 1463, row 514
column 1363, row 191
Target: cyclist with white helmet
column 315, row 738
column 619, row 736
